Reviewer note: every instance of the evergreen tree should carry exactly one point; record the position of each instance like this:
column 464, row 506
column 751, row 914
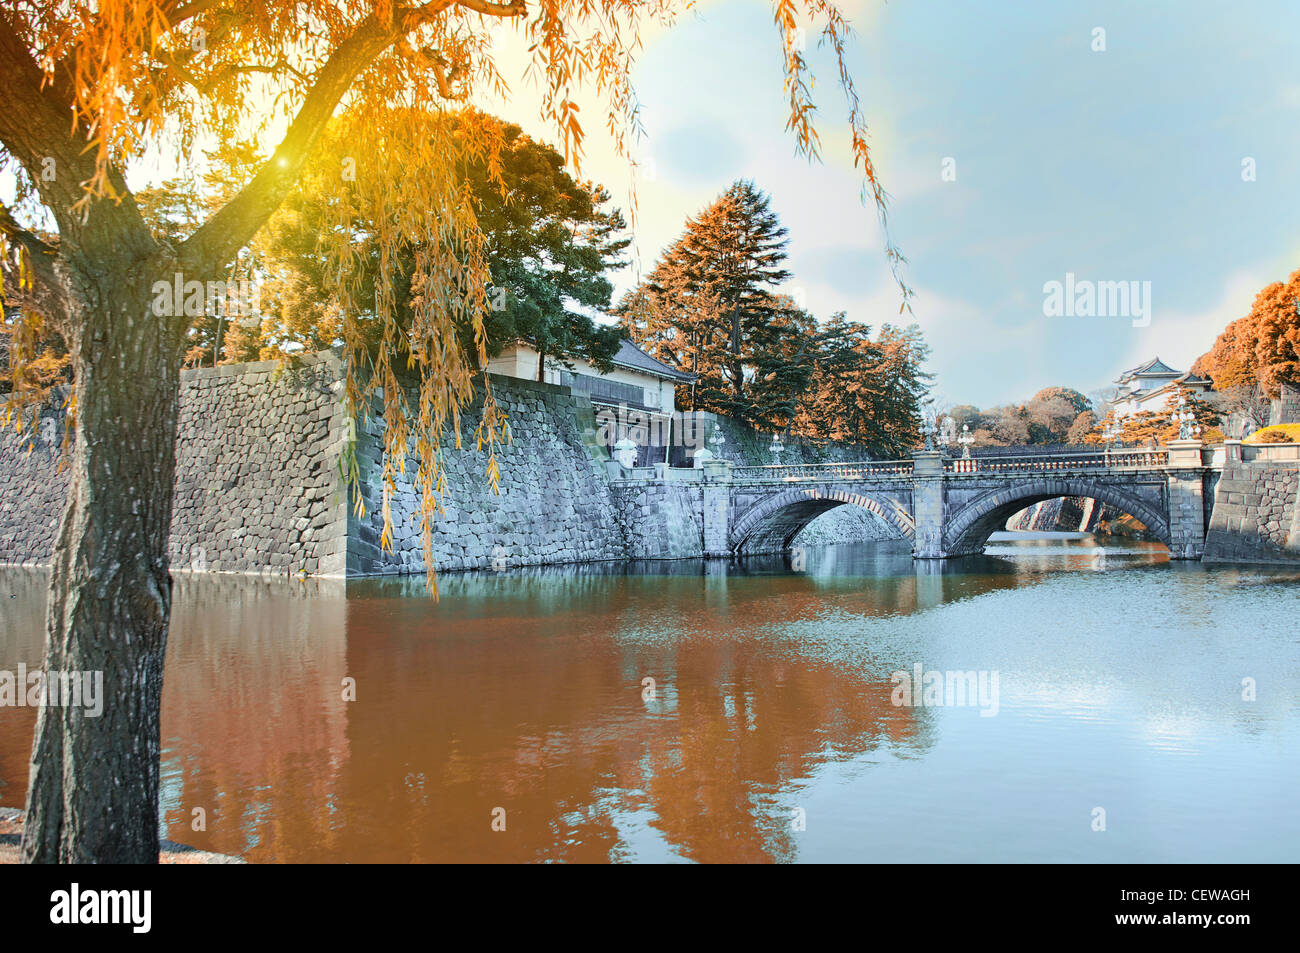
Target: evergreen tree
column 867, row 391
column 549, row 242
column 708, row 306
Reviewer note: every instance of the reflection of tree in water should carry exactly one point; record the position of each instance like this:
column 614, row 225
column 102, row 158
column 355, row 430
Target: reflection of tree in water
column 746, row 724
column 253, row 729
column 522, row 690
column 544, row 717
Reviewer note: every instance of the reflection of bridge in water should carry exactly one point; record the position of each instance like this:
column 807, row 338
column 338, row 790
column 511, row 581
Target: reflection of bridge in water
column 949, row 507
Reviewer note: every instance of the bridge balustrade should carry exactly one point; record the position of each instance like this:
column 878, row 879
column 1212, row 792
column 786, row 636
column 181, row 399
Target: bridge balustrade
column 1034, row 463
column 1011, row 463
column 822, row 471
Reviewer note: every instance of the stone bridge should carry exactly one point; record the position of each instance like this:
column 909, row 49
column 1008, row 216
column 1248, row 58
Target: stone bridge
column 950, row 507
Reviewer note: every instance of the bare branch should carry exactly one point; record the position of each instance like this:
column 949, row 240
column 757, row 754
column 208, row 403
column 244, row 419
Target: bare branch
column 444, row 84
column 185, row 11
column 27, row 239
column 43, row 294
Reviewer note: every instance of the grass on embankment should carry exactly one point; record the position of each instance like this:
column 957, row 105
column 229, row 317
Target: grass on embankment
column 1290, row 431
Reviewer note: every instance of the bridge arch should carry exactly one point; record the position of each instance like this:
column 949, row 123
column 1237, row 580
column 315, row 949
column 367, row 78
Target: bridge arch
column 771, row 524
column 969, row 529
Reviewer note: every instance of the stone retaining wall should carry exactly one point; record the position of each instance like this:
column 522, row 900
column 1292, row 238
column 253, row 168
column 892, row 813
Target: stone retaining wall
column 554, row 506
column 1256, row 517
column 33, row 486
column 661, row 520
column 845, row 524
column 747, row 447
column 258, row 487
column 258, row 484
column 1285, row 408
column 261, row 453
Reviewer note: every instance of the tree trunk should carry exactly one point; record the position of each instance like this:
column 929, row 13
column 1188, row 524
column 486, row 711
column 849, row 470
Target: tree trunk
column 93, row 789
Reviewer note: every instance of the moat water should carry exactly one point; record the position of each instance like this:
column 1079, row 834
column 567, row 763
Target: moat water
column 770, row 730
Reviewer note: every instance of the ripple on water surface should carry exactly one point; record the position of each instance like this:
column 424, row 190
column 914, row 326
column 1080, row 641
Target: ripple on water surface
column 690, row 711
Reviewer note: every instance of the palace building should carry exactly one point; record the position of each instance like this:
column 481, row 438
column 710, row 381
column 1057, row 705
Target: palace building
column 1154, row 386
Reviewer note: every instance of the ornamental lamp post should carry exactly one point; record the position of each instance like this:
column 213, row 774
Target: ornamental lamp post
column 776, row 448
column 928, row 425
column 966, row 439
column 1186, row 420
column 1113, row 432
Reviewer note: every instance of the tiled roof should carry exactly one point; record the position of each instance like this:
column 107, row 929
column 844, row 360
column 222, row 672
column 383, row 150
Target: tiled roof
column 629, row 355
column 1152, row 368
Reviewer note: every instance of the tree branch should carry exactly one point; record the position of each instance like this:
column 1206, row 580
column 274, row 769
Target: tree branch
column 40, row 130
column 516, row 8
column 22, row 236
column 34, row 126
column 45, row 293
column 184, row 11
column 178, row 61
column 43, row 296
column 235, row 224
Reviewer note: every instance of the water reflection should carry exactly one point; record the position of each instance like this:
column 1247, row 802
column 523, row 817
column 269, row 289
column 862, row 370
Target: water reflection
column 526, row 690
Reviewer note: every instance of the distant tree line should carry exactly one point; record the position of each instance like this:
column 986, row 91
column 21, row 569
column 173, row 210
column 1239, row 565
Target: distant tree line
column 1060, row 415
column 1053, row 415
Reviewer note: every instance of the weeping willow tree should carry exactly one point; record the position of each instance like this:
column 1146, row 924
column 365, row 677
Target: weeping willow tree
column 91, row 90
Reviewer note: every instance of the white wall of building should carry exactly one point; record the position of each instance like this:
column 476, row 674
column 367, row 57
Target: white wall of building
column 521, row 361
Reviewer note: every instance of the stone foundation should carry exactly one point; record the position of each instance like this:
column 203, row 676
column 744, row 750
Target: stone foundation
column 1256, row 515
column 258, row 485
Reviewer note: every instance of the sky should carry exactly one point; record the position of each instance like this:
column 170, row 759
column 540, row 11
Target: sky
column 1123, row 164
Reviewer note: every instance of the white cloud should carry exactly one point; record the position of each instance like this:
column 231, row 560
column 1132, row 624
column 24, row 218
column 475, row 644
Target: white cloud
column 1180, row 337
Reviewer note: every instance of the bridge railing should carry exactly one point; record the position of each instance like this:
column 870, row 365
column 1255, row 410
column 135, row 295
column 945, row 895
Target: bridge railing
column 1087, row 460
column 803, row 472
column 1122, row 459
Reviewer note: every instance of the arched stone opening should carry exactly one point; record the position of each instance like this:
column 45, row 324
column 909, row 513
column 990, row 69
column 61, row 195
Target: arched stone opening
column 771, row 525
column 968, row 531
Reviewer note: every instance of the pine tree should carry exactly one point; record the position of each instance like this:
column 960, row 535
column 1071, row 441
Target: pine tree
column 867, row 391
column 549, row 242
column 708, row 306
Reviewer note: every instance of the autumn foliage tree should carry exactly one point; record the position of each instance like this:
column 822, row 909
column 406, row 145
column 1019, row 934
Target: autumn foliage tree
column 710, row 303
column 866, row 390
column 90, row 88
column 1261, row 350
column 712, row 307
